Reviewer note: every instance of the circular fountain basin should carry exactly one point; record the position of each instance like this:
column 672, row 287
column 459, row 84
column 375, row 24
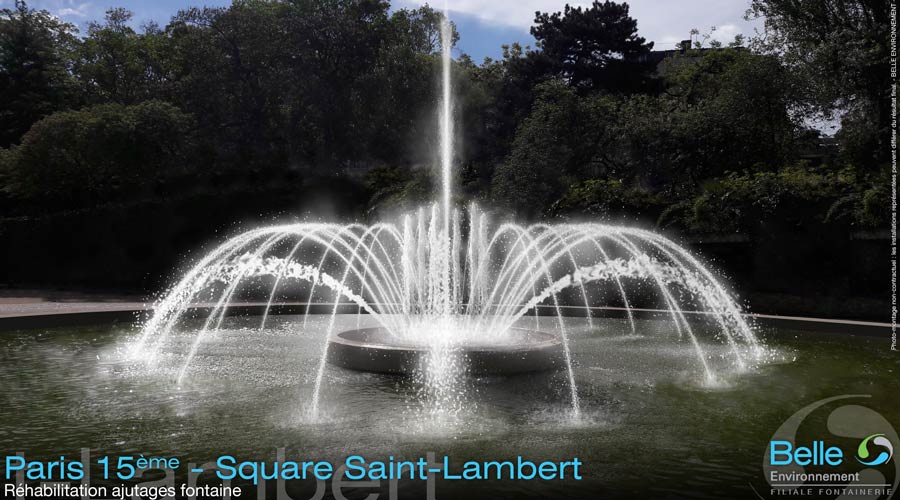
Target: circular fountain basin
column 375, row 350
column 248, row 395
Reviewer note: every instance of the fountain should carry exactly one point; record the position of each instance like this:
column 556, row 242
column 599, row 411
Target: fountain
column 452, row 293
column 449, row 330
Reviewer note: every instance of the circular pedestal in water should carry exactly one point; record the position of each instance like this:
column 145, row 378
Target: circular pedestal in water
column 375, row 350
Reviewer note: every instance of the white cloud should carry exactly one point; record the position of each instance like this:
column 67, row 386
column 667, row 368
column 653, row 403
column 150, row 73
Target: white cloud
column 60, row 8
column 80, row 10
column 665, row 22
column 508, row 13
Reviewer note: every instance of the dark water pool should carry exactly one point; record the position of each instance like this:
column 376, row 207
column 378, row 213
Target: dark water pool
column 649, row 426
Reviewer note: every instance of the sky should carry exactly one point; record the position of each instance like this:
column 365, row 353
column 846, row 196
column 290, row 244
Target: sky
column 484, row 25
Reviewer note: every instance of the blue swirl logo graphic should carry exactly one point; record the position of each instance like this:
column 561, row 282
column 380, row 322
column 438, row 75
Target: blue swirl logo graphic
column 878, row 440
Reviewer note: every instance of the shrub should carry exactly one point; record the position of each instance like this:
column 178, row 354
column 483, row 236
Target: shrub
column 99, row 154
column 392, row 187
column 796, row 195
column 607, row 198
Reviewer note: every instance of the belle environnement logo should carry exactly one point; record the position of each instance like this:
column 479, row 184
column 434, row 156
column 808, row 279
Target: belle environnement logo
column 851, row 457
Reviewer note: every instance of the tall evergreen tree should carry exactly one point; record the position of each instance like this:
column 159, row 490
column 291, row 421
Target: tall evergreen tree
column 35, row 81
column 595, row 48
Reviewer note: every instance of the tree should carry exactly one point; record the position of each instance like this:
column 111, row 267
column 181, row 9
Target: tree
column 35, row 55
column 508, row 84
column 117, row 64
column 551, row 147
column 420, row 29
column 402, row 77
column 841, row 46
column 728, row 102
column 99, row 154
column 595, row 48
column 314, row 86
column 718, row 107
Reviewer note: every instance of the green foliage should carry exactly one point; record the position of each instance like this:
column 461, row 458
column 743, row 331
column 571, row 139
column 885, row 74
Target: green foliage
column 608, row 199
column 793, row 196
column 117, row 64
column 720, row 106
column 873, row 207
column 593, row 49
column 642, row 138
column 35, row 54
column 103, row 153
column 840, row 49
column 862, row 139
column 288, row 94
column 866, row 206
column 726, row 103
column 508, row 84
column 397, row 188
column 316, row 85
column 550, row 145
